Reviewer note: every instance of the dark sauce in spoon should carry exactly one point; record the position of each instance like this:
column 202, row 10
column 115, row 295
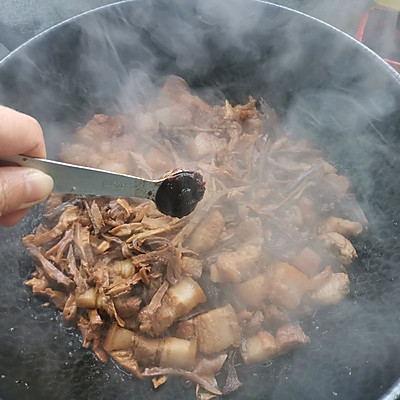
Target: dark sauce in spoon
column 179, row 194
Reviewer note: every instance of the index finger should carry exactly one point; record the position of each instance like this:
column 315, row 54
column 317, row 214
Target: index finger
column 20, row 134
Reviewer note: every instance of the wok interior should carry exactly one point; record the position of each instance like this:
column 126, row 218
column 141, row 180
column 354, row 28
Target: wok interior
column 325, row 87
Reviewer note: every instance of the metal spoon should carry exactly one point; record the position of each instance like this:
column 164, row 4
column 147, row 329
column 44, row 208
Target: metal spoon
column 177, row 194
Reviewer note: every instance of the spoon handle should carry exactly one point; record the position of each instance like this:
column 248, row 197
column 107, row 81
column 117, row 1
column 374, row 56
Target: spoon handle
column 69, row 178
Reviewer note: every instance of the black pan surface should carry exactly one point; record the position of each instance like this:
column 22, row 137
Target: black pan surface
column 326, row 87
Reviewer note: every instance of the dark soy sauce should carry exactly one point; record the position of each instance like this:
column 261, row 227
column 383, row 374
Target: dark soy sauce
column 179, row 194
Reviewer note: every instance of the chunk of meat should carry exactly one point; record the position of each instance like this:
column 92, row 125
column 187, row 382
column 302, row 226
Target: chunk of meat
column 274, row 317
column 290, row 336
column 73, row 154
column 178, row 300
column 307, row 208
column 260, row 347
column 192, row 267
column 341, row 246
column 236, row 266
column 206, row 144
column 87, row 299
column 118, row 338
column 217, row 329
column 332, row 290
column 185, row 295
column 207, row 233
column 287, row 285
column 343, row 226
column 100, row 128
column 144, row 121
column 145, row 349
column 328, row 168
column 175, row 91
column 320, row 278
column 255, row 323
column 174, row 84
column 254, row 291
column 169, row 352
column 177, row 353
column 158, row 161
column 338, row 184
column 250, row 230
column 294, row 216
column 118, row 162
column 186, row 330
column 307, row 261
column 128, row 307
column 173, row 115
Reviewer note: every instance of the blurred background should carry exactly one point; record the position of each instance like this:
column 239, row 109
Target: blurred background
column 22, row 19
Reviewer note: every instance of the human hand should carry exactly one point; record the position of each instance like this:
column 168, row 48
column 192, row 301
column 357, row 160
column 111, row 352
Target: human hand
column 20, row 187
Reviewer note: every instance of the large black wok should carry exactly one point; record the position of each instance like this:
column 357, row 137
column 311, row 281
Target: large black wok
column 325, row 86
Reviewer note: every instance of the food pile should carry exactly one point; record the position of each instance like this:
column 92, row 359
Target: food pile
column 230, row 283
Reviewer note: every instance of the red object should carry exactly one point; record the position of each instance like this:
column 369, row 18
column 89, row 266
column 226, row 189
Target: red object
column 379, row 30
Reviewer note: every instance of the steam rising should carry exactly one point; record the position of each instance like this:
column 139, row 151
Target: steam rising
column 323, row 87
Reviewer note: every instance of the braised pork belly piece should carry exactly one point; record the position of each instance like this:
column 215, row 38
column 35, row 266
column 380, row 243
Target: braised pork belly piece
column 231, row 282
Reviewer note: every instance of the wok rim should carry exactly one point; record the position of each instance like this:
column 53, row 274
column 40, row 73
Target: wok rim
column 393, row 392
column 315, row 20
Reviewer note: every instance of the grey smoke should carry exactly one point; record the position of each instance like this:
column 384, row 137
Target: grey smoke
column 331, row 117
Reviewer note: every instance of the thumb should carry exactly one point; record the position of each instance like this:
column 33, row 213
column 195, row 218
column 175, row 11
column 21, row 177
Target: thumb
column 21, row 188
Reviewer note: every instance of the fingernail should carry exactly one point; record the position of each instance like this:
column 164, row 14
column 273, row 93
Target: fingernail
column 38, row 187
